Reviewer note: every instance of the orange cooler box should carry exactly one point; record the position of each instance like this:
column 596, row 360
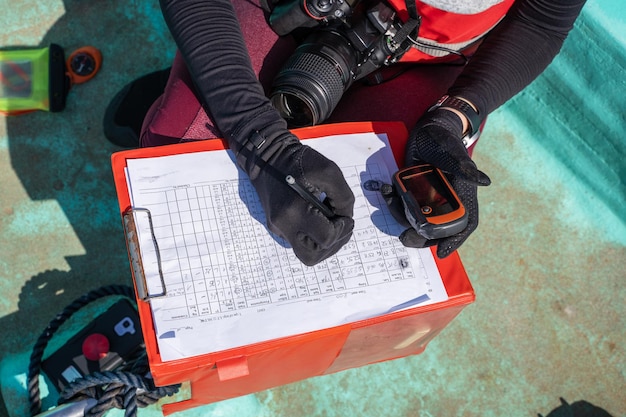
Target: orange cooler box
column 247, row 369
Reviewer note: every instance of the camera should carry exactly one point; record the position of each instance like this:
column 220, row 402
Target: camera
column 291, row 15
column 346, row 41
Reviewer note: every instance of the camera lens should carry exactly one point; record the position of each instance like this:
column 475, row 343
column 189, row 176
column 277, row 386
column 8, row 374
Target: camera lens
column 309, row 86
column 295, row 109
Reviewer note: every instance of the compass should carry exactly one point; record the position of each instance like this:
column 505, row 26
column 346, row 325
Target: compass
column 83, row 64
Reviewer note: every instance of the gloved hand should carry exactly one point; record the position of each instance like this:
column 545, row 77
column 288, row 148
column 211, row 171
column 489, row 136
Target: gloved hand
column 313, row 236
column 436, row 139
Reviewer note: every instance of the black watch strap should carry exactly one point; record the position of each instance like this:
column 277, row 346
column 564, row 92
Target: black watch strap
column 464, row 107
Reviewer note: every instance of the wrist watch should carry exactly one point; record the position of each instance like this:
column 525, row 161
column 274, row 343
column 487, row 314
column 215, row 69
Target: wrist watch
column 465, row 108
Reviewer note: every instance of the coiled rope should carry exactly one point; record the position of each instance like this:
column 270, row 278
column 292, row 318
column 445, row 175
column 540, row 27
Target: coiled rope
column 127, row 388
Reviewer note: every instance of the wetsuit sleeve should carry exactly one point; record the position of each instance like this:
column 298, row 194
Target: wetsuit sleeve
column 209, row 38
column 516, row 51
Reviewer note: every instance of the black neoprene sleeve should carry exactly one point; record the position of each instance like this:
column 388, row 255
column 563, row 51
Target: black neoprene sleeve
column 516, row 51
column 209, row 38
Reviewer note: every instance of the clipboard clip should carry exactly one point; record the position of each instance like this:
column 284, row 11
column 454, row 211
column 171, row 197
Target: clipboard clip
column 134, row 251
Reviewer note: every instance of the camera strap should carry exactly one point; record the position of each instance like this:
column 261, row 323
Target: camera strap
column 411, row 9
column 407, row 34
column 414, row 22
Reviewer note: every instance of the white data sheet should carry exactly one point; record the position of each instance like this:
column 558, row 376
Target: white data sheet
column 229, row 282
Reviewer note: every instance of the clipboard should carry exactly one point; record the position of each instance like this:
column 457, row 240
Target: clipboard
column 247, row 369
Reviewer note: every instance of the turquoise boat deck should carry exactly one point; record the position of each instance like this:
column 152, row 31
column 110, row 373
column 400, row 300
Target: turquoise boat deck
column 548, row 262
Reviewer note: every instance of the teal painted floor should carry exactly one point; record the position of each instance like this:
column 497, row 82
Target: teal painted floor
column 548, row 262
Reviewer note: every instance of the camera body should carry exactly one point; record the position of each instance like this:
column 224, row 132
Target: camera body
column 348, row 41
column 290, row 15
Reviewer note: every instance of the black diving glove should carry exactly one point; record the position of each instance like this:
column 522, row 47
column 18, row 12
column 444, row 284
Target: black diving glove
column 268, row 157
column 436, row 139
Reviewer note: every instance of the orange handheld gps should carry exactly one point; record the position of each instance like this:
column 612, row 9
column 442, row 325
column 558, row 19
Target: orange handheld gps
column 431, row 206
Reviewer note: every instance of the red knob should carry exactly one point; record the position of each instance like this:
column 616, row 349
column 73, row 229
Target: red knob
column 95, row 346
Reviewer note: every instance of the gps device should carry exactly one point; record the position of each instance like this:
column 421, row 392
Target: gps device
column 431, row 205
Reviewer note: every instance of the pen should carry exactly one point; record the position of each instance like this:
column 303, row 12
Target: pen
column 326, row 211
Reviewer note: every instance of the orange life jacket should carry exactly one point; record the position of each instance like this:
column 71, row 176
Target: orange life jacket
column 447, row 29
